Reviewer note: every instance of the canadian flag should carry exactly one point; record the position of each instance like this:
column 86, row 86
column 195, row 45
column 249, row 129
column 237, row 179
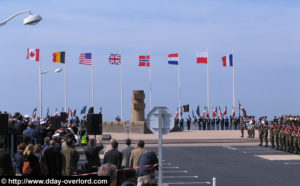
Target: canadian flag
column 33, row 54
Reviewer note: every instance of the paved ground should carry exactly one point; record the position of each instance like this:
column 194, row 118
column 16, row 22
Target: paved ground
column 233, row 164
column 192, row 136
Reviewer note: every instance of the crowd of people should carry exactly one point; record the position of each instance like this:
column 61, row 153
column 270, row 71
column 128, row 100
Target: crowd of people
column 42, row 151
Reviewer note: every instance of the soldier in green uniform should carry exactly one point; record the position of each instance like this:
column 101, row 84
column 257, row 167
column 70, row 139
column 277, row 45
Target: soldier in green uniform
column 281, row 135
column 277, row 130
column 272, row 135
column 261, row 132
column 242, row 126
column 298, row 140
column 285, row 140
column 266, row 130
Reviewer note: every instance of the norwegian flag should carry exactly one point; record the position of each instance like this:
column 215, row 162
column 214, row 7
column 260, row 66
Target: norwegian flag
column 34, row 113
column 144, row 61
column 114, row 59
column 33, row 54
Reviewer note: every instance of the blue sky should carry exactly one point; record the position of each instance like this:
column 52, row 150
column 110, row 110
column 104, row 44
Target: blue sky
column 264, row 35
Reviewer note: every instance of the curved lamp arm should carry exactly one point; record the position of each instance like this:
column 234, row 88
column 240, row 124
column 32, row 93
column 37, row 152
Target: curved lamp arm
column 11, row 17
column 57, row 70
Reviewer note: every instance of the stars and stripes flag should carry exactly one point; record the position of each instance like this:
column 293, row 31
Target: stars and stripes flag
column 33, row 54
column 144, row 61
column 202, row 57
column 114, row 59
column 85, row 59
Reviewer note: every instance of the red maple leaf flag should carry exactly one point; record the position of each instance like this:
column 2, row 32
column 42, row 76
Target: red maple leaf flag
column 33, row 54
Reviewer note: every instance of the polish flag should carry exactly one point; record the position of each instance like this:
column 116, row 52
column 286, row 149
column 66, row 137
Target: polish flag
column 202, row 57
column 227, row 60
column 33, row 54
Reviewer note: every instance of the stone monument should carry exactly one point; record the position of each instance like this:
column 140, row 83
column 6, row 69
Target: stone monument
column 138, row 106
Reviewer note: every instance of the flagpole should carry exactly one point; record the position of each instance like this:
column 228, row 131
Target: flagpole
column 179, row 88
column 233, row 77
column 40, row 84
column 150, row 83
column 92, row 78
column 65, row 76
column 121, row 84
column 207, row 74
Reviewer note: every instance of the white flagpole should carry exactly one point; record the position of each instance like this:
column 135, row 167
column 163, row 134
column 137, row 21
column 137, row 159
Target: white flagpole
column 179, row 87
column 233, row 77
column 92, row 78
column 150, row 83
column 207, row 75
column 121, row 79
column 65, row 78
column 40, row 84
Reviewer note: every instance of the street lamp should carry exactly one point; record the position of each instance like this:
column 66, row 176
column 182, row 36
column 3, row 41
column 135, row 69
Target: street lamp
column 56, row 70
column 30, row 20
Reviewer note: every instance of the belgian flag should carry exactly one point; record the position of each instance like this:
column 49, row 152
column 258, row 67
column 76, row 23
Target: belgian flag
column 59, row 57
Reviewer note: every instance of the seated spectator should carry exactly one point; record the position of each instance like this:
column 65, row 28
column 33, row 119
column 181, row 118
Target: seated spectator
column 126, row 152
column 34, row 165
column 136, row 154
column 18, row 159
column 147, row 173
column 113, row 156
column 110, row 170
column 92, row 154
column 69, row 157
column 6, row 168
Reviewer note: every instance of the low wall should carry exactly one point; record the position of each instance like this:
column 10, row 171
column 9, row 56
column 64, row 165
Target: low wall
column 139, row 127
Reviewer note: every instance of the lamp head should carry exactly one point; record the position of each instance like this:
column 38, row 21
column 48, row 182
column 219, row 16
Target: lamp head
column 58, row 70
column 32, row 19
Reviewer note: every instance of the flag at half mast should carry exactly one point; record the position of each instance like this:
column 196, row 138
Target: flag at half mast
column 85, row 59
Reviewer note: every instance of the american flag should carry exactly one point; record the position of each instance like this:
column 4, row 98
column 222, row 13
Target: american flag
column 144, row 61
column 114, row 59
column 85, row 59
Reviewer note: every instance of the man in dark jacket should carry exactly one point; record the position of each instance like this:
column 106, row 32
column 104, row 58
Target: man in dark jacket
column 92, row 154
column 50, row 159
column 150, row 160
column 113, row 156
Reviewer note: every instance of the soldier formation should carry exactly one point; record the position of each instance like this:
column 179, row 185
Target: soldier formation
column 284, row 133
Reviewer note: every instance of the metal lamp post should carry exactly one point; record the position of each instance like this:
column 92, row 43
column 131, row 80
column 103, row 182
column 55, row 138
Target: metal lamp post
column 30, row 20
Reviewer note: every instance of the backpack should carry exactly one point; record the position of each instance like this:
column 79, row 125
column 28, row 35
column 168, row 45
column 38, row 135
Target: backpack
column 26, row 167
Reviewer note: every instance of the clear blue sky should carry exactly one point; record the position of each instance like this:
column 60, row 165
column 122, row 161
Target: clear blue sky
column 264, row 35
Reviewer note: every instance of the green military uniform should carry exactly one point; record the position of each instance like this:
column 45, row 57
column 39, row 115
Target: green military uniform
column 272, row 135
column 261, row 133
column 277, row 131
column 266, row 130
column 242, row 126
column 281, row 137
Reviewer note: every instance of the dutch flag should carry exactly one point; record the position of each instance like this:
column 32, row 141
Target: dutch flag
column 227, row 60
column 173, row 59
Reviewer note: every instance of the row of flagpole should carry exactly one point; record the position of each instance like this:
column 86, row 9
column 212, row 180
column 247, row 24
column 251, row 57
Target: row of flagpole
column 115, row 61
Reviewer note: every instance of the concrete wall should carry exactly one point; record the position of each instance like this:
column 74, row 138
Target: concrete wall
column 139, row 127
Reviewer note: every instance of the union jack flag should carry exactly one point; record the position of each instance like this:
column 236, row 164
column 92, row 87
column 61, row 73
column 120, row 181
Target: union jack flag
column 114, row 59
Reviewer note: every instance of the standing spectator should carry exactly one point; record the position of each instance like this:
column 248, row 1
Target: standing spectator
column 37, row 150
column 188, row 122
column 6, row 168
column 136, row 154
column 126, row 153
column 110, row 170
column 148, row 158
column 92, row 155
column 30, row 132
column 33, row 164
column 69, row 157
column 46, row 145
column 74, row 128
column 50, row 159
column 18, row 159
column 113, row 156
column 181, row 124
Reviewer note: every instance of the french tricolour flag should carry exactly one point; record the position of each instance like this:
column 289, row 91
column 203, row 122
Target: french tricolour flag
column 227, row 60
column 202, row 57
column 173, row 59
